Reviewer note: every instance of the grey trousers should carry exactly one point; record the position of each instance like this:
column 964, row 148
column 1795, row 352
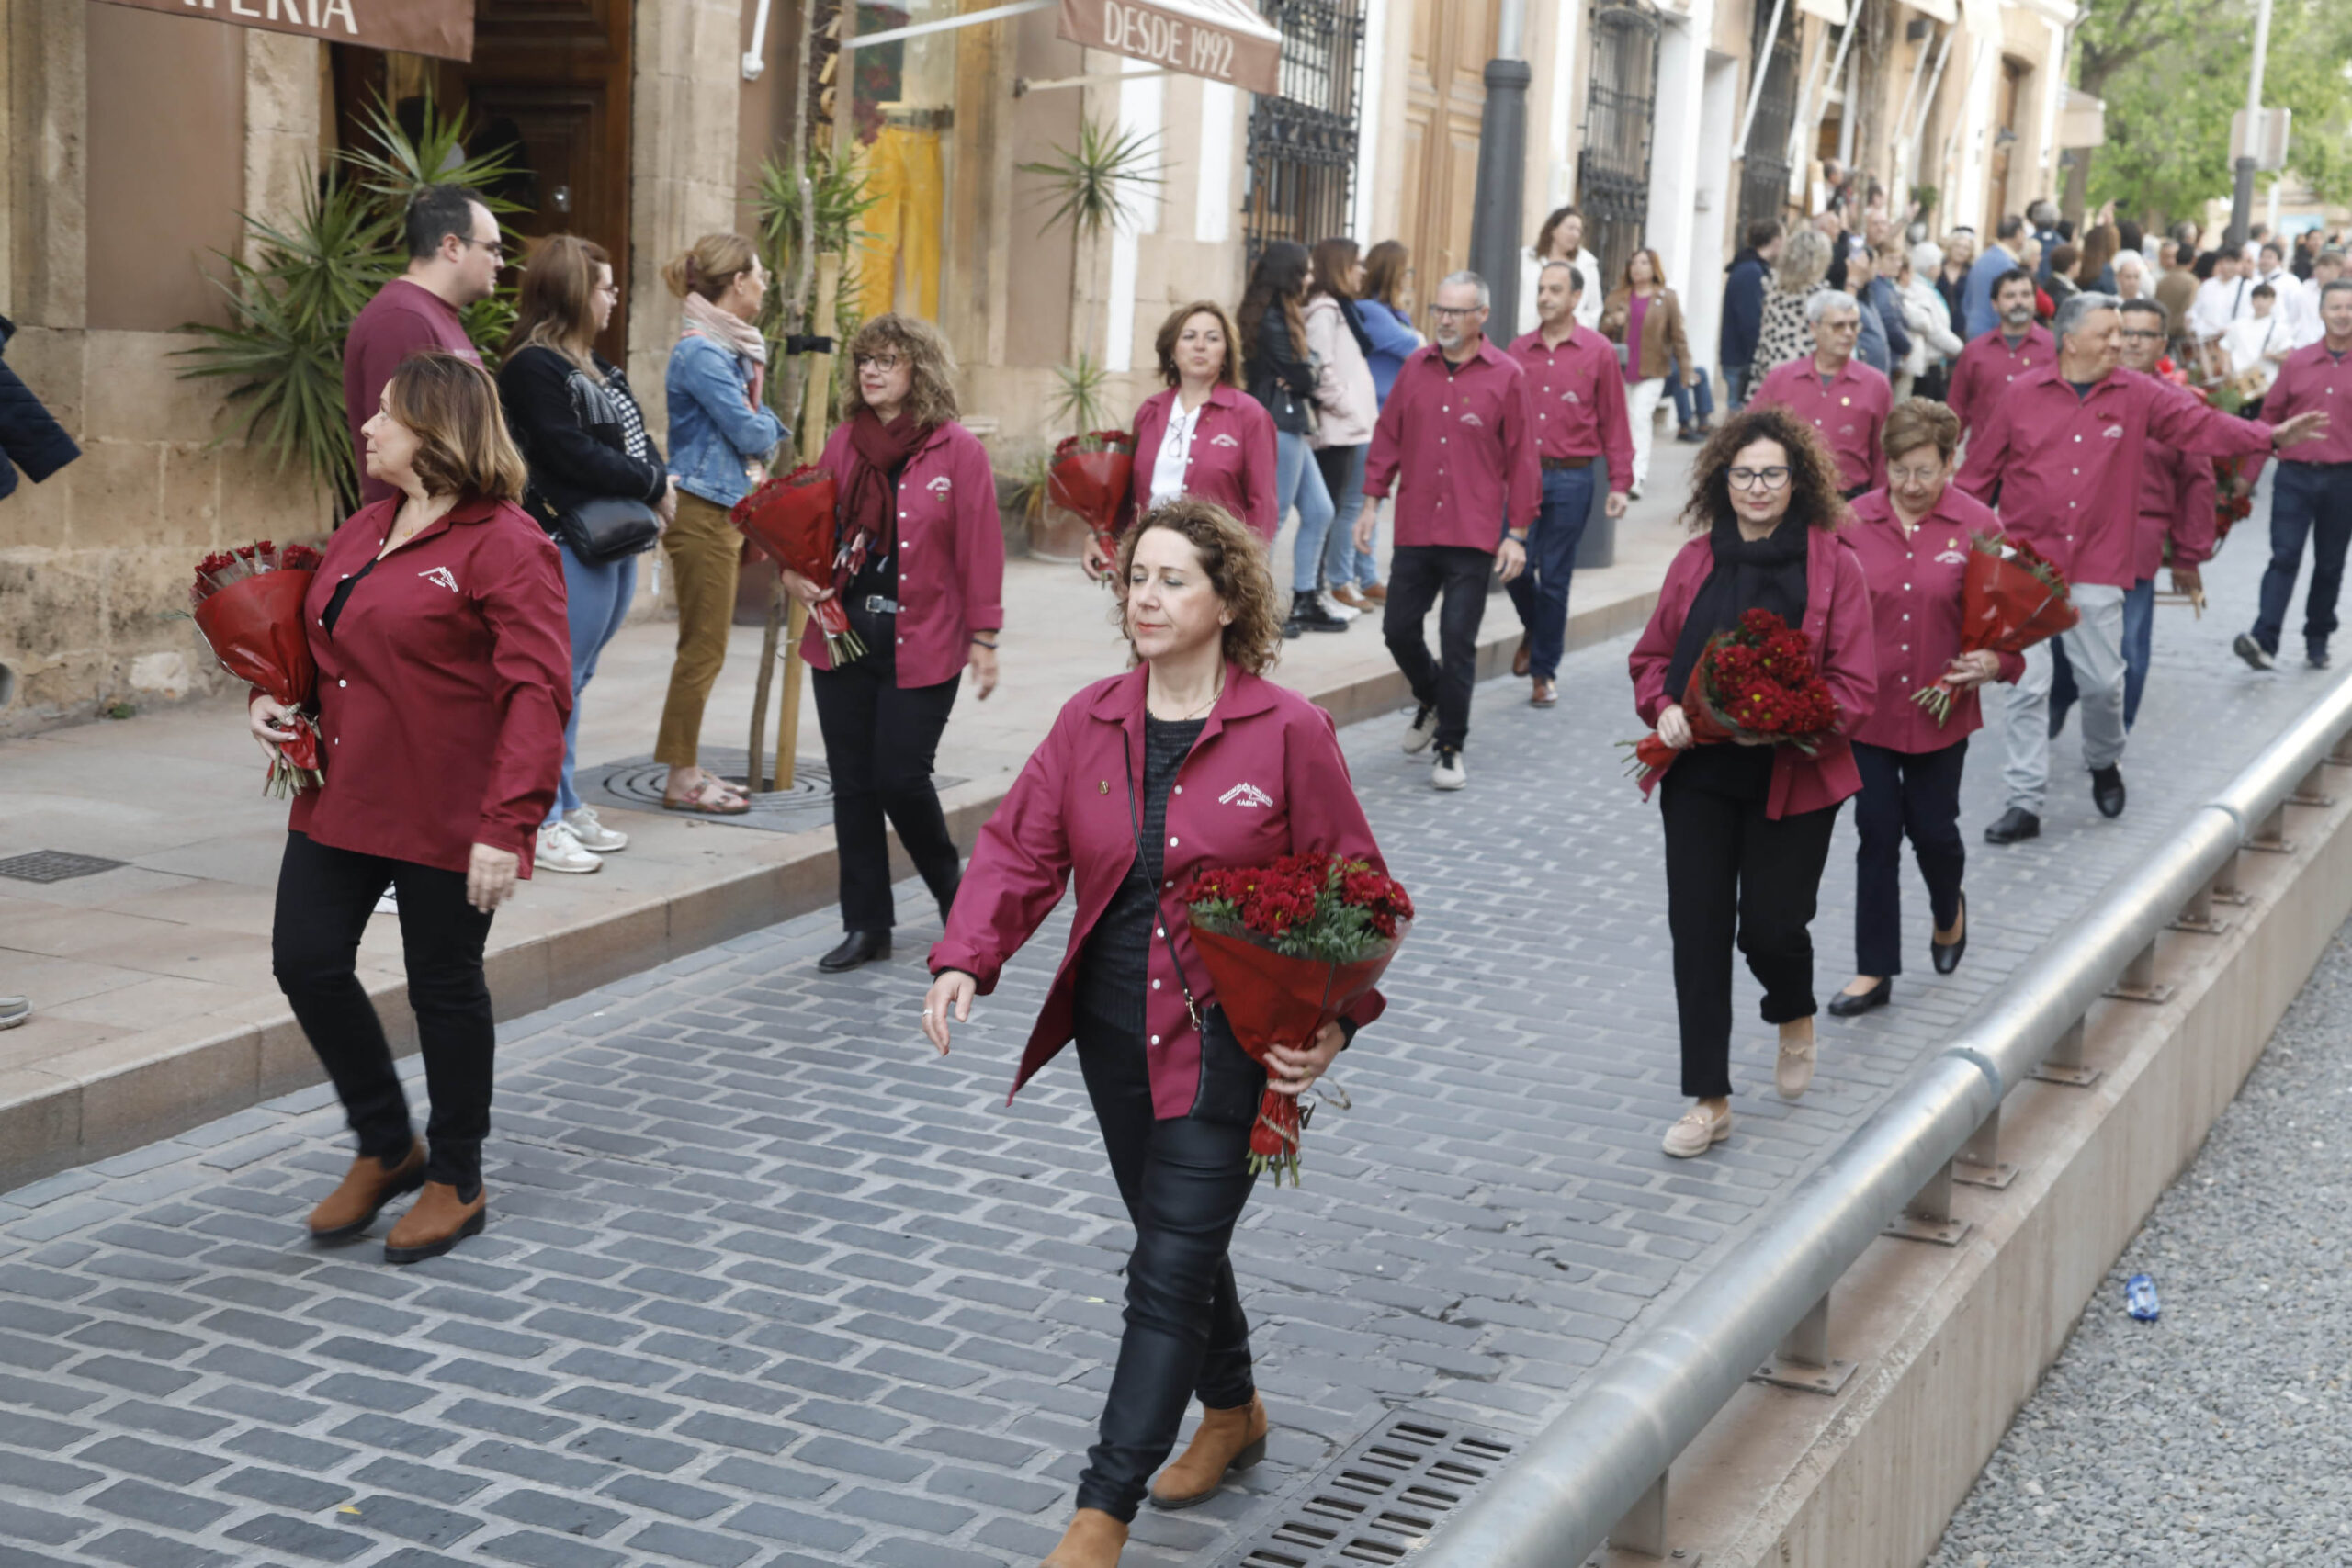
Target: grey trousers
column 2095, row 653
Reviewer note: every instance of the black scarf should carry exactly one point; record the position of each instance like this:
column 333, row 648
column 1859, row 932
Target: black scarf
column 1761, row 574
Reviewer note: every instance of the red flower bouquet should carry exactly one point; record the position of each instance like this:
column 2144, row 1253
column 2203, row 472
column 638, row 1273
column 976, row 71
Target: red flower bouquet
column 247, row 603
column 2007, row 602
column 1755, row 681
column 790, row 517
column 1089, row 476
column 1291, row 946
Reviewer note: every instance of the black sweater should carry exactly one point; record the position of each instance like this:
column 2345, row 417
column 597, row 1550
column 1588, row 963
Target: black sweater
column 31, row 438
column 575, row 434
column 1280, row 376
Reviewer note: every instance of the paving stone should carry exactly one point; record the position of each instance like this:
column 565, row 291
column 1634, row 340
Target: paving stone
column 277, row 1532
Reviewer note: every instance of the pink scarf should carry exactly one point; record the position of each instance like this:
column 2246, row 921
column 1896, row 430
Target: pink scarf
column 731, row 333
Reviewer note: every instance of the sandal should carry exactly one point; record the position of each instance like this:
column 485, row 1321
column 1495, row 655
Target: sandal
column 709, row 797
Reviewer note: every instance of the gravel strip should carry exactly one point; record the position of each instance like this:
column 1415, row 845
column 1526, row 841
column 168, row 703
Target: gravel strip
column 2223, row 1433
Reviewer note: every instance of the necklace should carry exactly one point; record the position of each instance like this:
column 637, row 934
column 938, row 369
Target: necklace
column 1199, row 708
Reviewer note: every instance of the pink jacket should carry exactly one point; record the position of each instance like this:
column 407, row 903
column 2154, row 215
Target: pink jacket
column 1344, row 394
column 2175, row 503
column 951, row 555
column 1915, row 583
column 1231, row 462
column 1838, row 620
column 1464, row 442
column 1265, row 779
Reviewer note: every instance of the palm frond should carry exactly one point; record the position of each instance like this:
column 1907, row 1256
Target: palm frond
column 399, row 164
column 1083, row 400
column 1092, row 179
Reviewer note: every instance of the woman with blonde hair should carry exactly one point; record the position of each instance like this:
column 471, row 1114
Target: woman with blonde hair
column 597, row 486
column 1645, row 320
column 1785, row 334
column 1195, row 722
column 721, row 431
column 921, row 576
column 443, row 687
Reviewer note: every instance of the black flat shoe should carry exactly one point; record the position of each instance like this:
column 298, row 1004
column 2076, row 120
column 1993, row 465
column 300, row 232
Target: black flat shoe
column 2106, row 791
column 2016, row 823
column 1947, row 959
column 858, row 947
column 1846, row 1004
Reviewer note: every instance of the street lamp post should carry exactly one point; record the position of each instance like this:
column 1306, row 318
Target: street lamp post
column 1502, row 169
column 2242, row 200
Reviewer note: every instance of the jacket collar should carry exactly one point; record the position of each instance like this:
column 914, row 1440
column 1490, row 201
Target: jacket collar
column 1122, row 701
column 1488, row 353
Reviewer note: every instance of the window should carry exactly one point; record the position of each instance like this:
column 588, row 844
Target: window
column 1613, row 169
column 1764, row 171
column 1303, row 142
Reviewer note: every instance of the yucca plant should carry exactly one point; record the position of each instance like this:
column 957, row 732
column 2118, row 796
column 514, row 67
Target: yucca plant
column 1093, row 180
column 1082, row 398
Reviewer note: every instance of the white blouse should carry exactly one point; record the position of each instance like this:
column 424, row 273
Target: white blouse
column 1175, row 452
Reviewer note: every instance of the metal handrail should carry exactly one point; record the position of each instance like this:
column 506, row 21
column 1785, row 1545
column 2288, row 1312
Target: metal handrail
column 1599, row 1469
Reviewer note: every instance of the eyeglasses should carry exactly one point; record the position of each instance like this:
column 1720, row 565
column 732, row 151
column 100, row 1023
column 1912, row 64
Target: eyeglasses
column 1450, row 311
column 1756, row 479
column 885, row 363
column 1914, row 479
column 495, row 247
column 2136, row 335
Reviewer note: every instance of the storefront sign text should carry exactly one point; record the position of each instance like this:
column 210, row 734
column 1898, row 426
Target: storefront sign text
column 444, row 28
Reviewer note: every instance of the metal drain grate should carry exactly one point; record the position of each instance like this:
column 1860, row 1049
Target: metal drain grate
column 635, row 783
column 1379, row 1502
column 54, row 865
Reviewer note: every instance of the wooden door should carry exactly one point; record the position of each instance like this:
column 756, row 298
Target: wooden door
column 552, row 79
column 1444, row 94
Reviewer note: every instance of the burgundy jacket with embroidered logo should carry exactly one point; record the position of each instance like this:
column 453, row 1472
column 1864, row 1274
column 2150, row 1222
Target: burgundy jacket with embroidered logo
column 951, row 554
column 1265, row 779
column 2313, row 377
column 1464, row 445
column 2068, row 467
column 1914, row 585
column 1849, row 412
column 1579, row 394
column 2175, row 503
column 1988, row 366
column 444, row 688
column 1231, row 461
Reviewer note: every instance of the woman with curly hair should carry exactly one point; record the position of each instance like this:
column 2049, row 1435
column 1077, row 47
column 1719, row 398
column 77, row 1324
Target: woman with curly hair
column 1748, row 826
column 921, row 576
column 1191, row 760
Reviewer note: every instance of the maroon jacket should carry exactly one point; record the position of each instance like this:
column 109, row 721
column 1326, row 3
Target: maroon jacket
column 1838, row 620
column 1231, row 462
column 951, row 555
column 403, row 317
column 1915, row 584
column 1265, row 779
column 1987, row 366
column 1465, row 442
column 1578, row 392
column 2177, row 504
column 444, row 689
column 1849, row 412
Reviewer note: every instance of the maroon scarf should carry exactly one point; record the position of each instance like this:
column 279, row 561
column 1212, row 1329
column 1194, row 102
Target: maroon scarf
column 869, row 509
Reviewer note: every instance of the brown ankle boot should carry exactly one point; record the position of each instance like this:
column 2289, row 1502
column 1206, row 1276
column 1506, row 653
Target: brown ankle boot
column 367, row 1187
column 439, row 1223
column 1229, row 1441
column 1094, row 1540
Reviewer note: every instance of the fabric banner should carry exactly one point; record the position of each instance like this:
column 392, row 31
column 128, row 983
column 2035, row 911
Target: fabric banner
column 1224, row 41
column 444, row 28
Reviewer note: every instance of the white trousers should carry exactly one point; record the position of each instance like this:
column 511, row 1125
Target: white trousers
column 1640, row 408
column 2095, row 653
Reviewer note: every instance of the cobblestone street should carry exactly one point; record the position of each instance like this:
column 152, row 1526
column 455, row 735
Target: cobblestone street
column 767, row 1284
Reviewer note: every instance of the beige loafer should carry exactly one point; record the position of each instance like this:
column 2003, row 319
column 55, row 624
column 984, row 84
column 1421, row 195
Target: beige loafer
column 1792, row 1074
column 1697, row 1133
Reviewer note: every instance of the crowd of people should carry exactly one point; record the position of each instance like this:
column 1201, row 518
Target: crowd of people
column 1887, row 402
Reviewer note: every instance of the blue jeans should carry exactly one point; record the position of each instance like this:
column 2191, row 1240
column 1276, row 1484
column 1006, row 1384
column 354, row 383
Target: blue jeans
column 596, row 603
column 1343, row 470
column 2139, row 648
column 1689, row 400
column 1298, row 482
column 1736, row 386
column 2313, row 499
column 1541, row 592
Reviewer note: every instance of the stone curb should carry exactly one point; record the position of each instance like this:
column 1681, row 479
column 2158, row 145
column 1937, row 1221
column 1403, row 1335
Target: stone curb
column 50, row 1122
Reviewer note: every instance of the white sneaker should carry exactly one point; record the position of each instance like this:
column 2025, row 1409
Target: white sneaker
column 388, row 902
column 1449, row 773
column 1345, row 612
column 560, row 849
column 592, row 834
column 1421, row 731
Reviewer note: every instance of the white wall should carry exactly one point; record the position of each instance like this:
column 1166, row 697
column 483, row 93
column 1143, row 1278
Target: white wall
column 1363, row 215
column 1674, row 144
column 1712, row 241
column 1142, row 103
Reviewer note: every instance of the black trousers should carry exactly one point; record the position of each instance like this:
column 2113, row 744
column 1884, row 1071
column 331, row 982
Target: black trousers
column 880, row 743
column 1417, row 575
column 325, row 896
column 1184, row 1181
column 1915, row 793
column 1733, row 874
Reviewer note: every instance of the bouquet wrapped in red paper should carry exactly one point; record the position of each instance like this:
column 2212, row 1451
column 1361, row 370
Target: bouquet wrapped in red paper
column 2007, row 602
column 1090, row 477
column 1755, row 681
column 1292, row 946
column 790, row 516
column 247, row 603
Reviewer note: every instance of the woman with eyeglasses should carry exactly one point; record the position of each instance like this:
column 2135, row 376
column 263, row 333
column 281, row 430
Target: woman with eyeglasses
column 921, row 576
column 1748, row 826
column 1912, row 535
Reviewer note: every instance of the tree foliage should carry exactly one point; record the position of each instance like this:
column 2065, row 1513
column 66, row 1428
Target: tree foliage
column 2174, row 71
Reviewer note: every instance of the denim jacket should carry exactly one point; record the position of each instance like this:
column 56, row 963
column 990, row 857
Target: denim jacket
column 713, row 429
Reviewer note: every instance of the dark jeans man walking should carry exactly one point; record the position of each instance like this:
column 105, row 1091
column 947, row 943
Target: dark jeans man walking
column 1541, row 592
column 2312, row 500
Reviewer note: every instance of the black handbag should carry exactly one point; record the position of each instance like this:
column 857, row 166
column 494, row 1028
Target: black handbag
column 606, row 527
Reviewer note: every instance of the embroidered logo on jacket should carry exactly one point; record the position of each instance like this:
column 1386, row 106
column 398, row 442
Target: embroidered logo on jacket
column 1470, row 416
column 1222, row 440
column 1951, row 558
column 1570, row 397
column 1246, row 795
column 2113, row 433
column 941, row 485
column 440, row 574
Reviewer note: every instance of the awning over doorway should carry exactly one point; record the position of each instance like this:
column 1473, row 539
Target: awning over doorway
column 443, row 28
column 1224, row 41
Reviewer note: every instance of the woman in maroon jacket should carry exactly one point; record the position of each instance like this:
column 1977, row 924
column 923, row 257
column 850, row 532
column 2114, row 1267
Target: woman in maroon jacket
column 1205, row 436
column 1748, row 827
column 444, row 678
column 1192, row 760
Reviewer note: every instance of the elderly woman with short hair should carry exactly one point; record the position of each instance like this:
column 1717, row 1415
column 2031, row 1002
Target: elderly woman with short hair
column 921, row 575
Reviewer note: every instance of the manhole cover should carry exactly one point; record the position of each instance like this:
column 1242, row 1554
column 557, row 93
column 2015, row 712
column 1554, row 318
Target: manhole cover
column 635, row 783
column 54, row 865
column 1379, row 1502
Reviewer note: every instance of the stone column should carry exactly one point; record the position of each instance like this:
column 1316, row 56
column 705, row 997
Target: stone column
column 48, row 77
column 281, row 125
column 683, row 107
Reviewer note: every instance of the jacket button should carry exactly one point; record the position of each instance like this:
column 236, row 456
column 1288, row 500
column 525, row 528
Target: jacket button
column 1159, row 930
column 1155, row 985
column 1179, row 789
column 1155, row 1040
column 342, row 682
column 1172, row 842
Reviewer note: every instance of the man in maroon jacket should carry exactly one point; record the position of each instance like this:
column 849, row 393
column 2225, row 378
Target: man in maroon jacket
column 1992, row 361
column 1459, row 427
column 454, row 255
